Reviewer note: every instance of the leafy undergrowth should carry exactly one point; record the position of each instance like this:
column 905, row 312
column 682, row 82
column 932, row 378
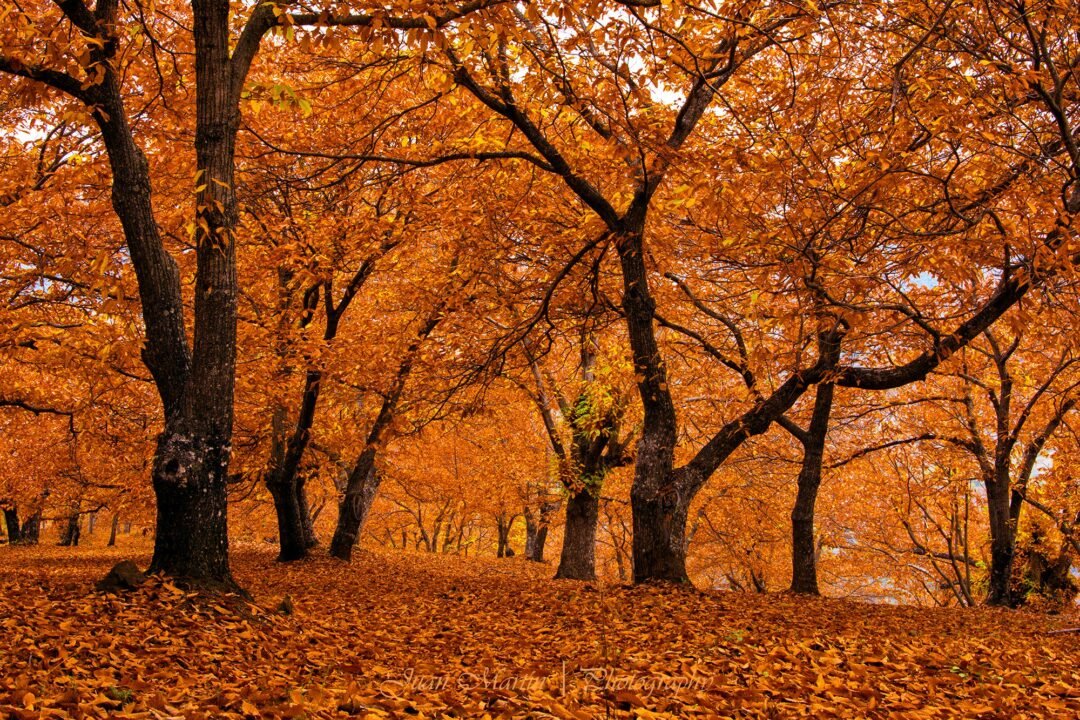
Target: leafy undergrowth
column 420, row 637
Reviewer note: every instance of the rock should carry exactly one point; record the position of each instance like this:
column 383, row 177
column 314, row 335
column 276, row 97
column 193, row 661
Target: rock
column 124, row 575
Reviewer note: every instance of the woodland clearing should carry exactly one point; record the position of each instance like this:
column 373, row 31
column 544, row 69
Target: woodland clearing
column 408, row 635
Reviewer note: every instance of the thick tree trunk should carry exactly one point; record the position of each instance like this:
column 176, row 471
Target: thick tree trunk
column 578, row 558
column 360, row 492
column 191, row 540
column 1002, row 543
column 803, row 546
column 659, row 536
column 112, row 529
column 11, row 520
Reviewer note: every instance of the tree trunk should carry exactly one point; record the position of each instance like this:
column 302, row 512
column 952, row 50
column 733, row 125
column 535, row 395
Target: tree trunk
column 503, row 526
column 578, row 559
column 803, row 546
column 536, row 531
column 659, row 536
column 191, row 539
column 360, row 492
column 11, row 520
column 91, row 523
column 307, row 520
column 1002, row 543
column 535, row 538
column 72, row 530
column 30, row 532
column 292, row 538
column 112, row 530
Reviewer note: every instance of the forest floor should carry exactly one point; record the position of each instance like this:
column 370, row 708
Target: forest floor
column 411, row 636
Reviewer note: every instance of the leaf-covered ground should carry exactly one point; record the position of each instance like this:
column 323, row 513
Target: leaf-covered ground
column 419, row 637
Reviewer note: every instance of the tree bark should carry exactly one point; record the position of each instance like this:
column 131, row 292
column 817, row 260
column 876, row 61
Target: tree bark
column 578, row 558
column 364, row 479
column 112, row 529
column 11, row 520
column 503, row 526
column 30, row 532
column 803, row 546
column 1002, row 543
column 191, row 537
column 292, row 538
column 360, row 492
column 72, row 531
column 659, row 536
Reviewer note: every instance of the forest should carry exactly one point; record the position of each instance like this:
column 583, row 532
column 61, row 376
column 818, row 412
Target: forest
column 580, row 347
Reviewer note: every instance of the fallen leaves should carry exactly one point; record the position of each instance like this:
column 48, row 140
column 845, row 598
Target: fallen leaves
column 426, row 637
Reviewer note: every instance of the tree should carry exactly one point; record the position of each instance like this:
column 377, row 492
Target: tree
column 84, row 61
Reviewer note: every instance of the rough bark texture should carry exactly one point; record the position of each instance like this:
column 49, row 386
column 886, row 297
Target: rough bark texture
column 803, row 545
column 578, row 558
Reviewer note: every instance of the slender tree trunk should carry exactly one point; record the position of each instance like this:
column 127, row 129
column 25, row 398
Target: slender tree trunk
column 803, row 546
column 91, row 523
column 11, row 520
column 360, row 493
column 113, row 528
column 578, row 558
column 1002, row 543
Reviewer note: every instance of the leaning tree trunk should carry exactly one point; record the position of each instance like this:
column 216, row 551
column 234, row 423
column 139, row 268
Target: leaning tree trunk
column 363, row 484
column 578, row 558
column 11, row 520
column 659, row 510
column 803, row 546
